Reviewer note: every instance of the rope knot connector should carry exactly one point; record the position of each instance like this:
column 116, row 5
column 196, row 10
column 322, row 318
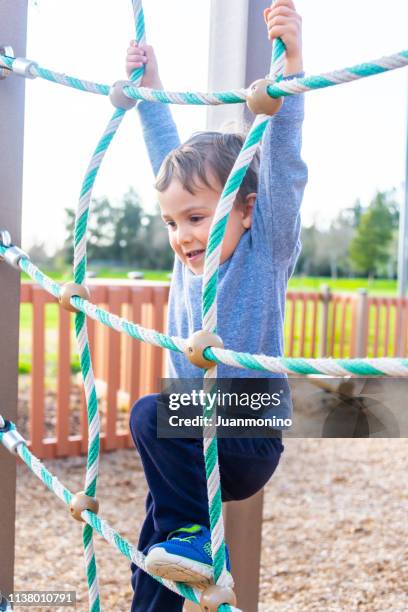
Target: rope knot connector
column 118, row 97
column 196, row 345
column 70, row 290
column 23, row 67
column 81, row 502
column 259, row 101
column 215, row 596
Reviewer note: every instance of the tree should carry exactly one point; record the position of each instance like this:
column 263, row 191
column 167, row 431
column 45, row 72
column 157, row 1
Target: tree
column 124, row 235
column 307, row 263
column 369, row 248
column 355, row 213
column 127, row 242
column 337, row 241
column 100, row 232
column 160, row 255
column 325, row 252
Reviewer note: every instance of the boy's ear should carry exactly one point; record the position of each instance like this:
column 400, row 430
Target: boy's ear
column 248, row 208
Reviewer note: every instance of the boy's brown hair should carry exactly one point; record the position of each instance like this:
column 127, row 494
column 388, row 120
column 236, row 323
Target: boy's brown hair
column 204, row 153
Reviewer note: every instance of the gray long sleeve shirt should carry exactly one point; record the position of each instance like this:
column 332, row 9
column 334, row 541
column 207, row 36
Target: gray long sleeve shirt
column 252, row 282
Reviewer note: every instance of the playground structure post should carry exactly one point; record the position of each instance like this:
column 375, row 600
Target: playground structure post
column 13, row 20
column 240, row 53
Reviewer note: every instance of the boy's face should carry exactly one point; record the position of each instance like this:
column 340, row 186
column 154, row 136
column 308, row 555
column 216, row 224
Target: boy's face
column 188, row 218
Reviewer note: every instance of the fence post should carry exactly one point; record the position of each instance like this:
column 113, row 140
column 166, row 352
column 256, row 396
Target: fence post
column 400, row 326
column 13, row 16
column 361, row 327
column 324, row 324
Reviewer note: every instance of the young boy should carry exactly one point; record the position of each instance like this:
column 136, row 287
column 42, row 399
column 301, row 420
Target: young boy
column 259, row 252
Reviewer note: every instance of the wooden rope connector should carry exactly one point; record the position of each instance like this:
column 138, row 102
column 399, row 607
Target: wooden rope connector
column 70, row 290
column 196, row 345
column 214, row 596
column 81, row 502
column 259, row 101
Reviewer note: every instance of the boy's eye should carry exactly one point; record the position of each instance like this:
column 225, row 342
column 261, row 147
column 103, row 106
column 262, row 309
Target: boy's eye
column 195, row 218
column 170, row 224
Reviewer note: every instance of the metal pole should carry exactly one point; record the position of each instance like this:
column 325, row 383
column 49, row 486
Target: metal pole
column 13, row 21
column 240, row 53
column 403, row 230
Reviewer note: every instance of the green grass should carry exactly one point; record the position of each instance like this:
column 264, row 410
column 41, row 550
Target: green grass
column 51, row 316
column 346, row 285
column 66, row 274
column 297, row 283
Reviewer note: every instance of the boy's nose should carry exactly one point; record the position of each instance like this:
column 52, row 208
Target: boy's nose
column 183, row 236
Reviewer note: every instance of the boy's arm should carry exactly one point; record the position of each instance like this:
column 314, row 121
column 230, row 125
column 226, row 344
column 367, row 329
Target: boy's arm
column 282, row 179
column 159, row 130
column 283, row 175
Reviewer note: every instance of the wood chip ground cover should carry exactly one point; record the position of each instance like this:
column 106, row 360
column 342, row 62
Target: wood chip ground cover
column 334, row 532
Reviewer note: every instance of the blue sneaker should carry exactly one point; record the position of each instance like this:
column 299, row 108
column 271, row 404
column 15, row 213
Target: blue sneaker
column 185, row 557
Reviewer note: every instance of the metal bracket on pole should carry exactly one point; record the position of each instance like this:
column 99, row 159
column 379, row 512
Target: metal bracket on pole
column 5, row 50
column 14, row 254
column 12, row 439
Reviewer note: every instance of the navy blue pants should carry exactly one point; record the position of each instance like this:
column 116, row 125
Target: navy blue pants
column 175, row 474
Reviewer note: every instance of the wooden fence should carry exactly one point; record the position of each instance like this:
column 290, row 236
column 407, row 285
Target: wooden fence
column 317, row 324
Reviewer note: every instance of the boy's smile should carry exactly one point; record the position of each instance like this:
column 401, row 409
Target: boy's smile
column 189, row 216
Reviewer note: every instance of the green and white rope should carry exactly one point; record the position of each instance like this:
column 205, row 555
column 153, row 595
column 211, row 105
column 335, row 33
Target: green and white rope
column 337, row 77
column 80, row 262
column 209, row 317
column 82, row 214
column 85, row 357
column 379, row 366
column 198, row 98
column 95, row 522
column 60, row 78
column 233, row 96
column 217, row 231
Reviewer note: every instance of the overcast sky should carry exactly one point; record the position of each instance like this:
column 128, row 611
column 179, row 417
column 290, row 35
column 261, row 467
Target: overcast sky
column 354, row 135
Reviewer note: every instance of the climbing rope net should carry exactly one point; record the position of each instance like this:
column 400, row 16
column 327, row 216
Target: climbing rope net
column 123, row 95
